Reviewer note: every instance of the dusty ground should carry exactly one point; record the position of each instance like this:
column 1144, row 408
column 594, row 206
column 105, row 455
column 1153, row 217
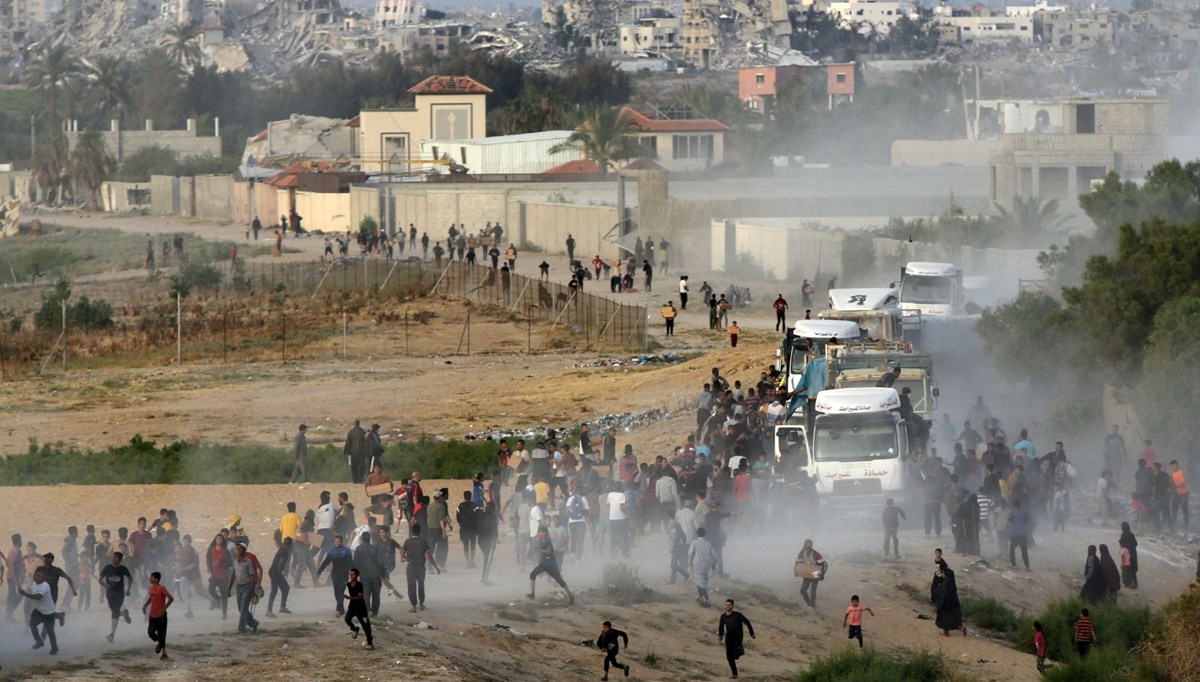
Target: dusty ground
column 439, row 393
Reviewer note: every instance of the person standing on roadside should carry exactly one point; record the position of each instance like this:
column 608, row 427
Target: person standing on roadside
column 300, row 452
column 356, row 451
column 780, row 305
column 415, row 553
column 669, row 314
column 1179, row 498
column 683, row 291
column 734, row 330
column 730, row 629
column 158, row 600
column 891, row 527
column 117, row 582
column 246, row 579
column 340, row 560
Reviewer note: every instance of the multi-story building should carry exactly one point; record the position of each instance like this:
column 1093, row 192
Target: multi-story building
column 966, row 30
column 413, row 38
column 1095, row 137
column 17, row 17
column 444, row 108
column 390, row 13
column 657, row 34
column 758, row 85
column 1075, row 30
column 699, row 35
column 866, row 16
column 1031, row 10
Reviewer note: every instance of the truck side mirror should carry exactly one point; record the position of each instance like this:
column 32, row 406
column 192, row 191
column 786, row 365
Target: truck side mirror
column 937, row 392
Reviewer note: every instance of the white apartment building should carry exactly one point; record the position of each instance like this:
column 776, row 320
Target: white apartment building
column 868, row 14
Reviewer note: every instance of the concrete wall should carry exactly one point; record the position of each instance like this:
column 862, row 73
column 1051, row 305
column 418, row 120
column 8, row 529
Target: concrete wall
column 927, row 153
column 787, row 253
column 164, row 195
column 328, row 212
column 18, row 185
column 124, row 196
column 547, row 225
column 121, row 144
column 214, row 197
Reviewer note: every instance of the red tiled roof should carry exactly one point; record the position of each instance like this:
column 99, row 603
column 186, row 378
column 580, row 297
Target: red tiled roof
column 283, row 180
column 644, row 164
column 449, row 85
column 355, row 122
column 577, row 167
column 644, row 123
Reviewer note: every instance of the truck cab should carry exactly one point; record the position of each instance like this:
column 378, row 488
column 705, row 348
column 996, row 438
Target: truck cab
column 874, row 310
column 861, row 365
column 803, row 349
column 928, row 288
column 859, row 445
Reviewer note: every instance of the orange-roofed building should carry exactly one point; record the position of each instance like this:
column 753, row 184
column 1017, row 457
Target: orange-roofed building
column 682, row 145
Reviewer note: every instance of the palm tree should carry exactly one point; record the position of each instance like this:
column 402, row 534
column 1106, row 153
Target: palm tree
column 49, row 166
column 109, row 80
column 182, row 43
column 1029, row 219
column 53, row 71
column 91, row 165
column 605, row 136
column 711, row 103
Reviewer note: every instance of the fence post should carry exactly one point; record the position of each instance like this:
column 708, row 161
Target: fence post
column 406, row 332
column 64, row 333
column 345, row 335
column 178, row 329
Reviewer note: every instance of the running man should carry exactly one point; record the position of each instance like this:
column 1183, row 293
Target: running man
column 42, row 614
column 730, row 629
column 608, row 642
column 544, row 548
column 117, row 582
column 340, row 558
column 158, row 600
column 357, row 608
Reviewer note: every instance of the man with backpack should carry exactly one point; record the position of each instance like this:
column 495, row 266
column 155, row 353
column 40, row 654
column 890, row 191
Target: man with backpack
column 577, row 513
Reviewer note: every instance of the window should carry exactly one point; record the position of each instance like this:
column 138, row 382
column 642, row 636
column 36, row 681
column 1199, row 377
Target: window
column 692, row 146
column 760, row 78
column 1085, row 118
column 650, row 144
column 841, row 78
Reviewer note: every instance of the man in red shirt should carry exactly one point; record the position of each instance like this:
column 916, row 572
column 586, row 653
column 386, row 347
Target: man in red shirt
column 139, row 540
column 1149, row 454
column 780, row 305
column 158, row 600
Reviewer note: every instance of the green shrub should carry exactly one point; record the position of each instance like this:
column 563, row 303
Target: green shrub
column 872, row 665
column 195, row 276
column 623, row 586
column 1121, row 626
column 1111, row 663
column 367, row 226
column 989, row 613
column 142, row 461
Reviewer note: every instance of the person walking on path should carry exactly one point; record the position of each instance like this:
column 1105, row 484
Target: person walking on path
column 278, row 574
column 734, row 330
column 702, row 558
column 609, row 643
column 730, row 630
column 357, row 608
column 1179, row 500
column 246, row 580
column 220, row 565
column 808, row 588
column 683, row 292
column 370, row 570
column 117, row 582
column 340, row 560
column 42, row 616
column 1094, row 587
column 570, row 247
column 780, row 305
column 158, row 600
column 357, row 452
column 648, row 272
column 891, row 527
column 853, row 619
column 1039, row 645
column 1018, row 535
column 547, row 563
column 678, row 546
column 669, row 314
column 510, row 255
column 945, row 596
column 1085, row 633
column 415, row 553
column 300, row 452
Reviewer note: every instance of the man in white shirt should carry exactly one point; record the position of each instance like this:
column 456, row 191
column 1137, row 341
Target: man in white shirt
column 42, row 615
column 537, row 516
column 667, row 493
column 326, row 514
column 775, row 411
column 685, row 517
column 617, row 521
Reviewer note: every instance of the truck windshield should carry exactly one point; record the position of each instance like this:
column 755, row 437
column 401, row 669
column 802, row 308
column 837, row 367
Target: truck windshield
column 855, row 442
column 792, row 447
column 922, row 289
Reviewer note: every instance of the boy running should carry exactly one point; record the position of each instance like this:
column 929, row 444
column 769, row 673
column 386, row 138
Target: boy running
column 158, row 600
column 356, row 607
column 117, row 583
column 608, row 643
column 853, row 617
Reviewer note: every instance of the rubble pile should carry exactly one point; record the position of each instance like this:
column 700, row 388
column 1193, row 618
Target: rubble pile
column 624, row 422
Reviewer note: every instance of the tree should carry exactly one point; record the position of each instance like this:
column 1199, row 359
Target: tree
column 108, row 79
column 597, row 81
column 1171, row 380
column 536, row 110
column 1171, row 191
column 91, row 165
column 754, row 147
column 1029, row 220
column 53, row 72
column 50, row 167
column 605, row 136
column 182, row 44
column 1029, row 340
column 1121, row 296
column 720, row 105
